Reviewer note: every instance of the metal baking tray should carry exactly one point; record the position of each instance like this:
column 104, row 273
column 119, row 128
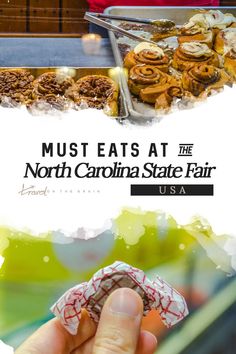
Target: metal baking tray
column 81, row 72
column 179, row 15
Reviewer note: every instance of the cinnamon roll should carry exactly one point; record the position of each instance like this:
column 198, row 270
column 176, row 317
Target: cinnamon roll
column 142, row 76
column 196, row 33
column 51, row 88
column 230, row 63
column 225, row 40
column 15, row 86
column 204, row 78
column 149, row 55
column 212, row 19
column 96, row 91
column 153, row 86
column 162, row 96
column 189, row 54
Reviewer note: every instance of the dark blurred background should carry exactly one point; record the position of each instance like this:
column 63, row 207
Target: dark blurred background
column 49, row 17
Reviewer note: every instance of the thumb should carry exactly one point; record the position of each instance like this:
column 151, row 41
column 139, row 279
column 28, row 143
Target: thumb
column 119, row 327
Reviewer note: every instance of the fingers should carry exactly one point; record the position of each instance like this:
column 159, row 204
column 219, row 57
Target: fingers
column 85, row 348
column 53, row 338
column 119, row 327
column 147, row 343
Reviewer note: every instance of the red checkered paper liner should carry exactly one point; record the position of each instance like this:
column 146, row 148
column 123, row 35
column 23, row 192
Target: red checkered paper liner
column 92, row 295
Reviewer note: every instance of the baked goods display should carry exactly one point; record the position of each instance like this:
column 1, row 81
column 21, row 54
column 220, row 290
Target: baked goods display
column 96, row 91
column 15, row 86
column 198, row 61
column 55, row 90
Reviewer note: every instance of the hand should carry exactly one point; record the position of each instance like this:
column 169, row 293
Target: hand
column 118, row 332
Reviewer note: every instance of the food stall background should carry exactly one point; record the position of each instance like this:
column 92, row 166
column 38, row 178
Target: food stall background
column 49, row 17
column 35, row 271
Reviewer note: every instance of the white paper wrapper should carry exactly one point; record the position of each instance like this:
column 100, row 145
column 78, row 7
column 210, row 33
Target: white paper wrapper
column 92, row 295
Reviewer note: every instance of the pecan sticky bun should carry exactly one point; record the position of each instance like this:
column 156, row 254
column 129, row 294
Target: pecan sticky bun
column 15, row 86
column 96, row 91
column 189, row 54
column 203, row 79
column 51, row 88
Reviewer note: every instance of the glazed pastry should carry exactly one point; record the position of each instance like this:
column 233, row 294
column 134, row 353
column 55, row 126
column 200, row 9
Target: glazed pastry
column 142, row 76
column 204, row 78
column 189, row 54
column 212, row 19
column 153, row 86
column 196, row 33
column 230, row 63
column 51, row 88
column 162, row 95
column 96, row 91
column 146, row 53
column 225, row 40
column 15, row 86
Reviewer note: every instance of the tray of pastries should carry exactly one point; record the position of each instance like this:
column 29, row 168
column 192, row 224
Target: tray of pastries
column 182, row 64
column 45, row 90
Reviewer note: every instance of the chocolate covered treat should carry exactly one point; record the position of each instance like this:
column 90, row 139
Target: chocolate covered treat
column 156, row 294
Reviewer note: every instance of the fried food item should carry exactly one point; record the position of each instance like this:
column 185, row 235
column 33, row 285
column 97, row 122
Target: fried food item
column 96, row 91
column 225, row 40
column 202, row 79
column 51, row 88
column 189, row 54
column 230, row 63
column 15, row 86
column 148, row 54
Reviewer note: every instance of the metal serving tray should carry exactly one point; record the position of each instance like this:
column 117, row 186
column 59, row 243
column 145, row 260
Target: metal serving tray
column 179, row 15
column 81, row 72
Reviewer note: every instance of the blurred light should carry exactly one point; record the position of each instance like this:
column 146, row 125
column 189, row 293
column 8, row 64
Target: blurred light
column 115, row 73
column 91, row 43
column 182, row 246
column 66, row 71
